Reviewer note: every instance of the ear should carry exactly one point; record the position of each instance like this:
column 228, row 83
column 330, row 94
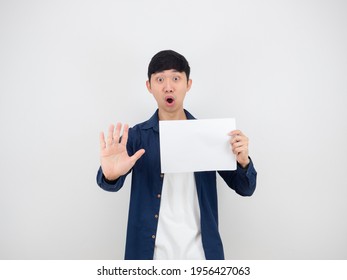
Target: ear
column 189, row 84
column 148, row 85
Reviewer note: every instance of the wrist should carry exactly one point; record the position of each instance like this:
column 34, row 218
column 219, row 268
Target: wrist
column 110, row 180
column 244, row 164
column 109, row 175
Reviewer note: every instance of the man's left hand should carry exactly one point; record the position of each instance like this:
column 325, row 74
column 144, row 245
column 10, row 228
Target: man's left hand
column 239, row 146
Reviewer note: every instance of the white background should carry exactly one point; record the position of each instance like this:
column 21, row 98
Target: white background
column 70, row 68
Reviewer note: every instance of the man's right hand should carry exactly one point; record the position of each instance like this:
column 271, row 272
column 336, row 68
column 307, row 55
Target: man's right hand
column 114, row 157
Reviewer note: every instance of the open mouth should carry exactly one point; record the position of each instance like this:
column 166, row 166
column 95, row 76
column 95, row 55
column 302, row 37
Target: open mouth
column 169, row 100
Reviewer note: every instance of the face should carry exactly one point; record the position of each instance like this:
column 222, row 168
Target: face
column 169, row 89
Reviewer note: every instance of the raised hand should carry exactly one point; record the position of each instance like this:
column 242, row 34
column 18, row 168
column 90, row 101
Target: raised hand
column 114, row 157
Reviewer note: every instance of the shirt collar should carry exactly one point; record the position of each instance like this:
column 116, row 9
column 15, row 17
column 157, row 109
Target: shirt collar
column 153, row 122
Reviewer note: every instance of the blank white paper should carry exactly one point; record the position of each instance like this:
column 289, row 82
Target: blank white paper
column 196, row 145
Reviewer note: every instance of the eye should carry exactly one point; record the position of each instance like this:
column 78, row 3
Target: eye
column 176, row 78
column 160, row 79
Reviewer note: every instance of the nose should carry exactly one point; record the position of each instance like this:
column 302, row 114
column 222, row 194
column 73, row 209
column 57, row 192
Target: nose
column 168, row 86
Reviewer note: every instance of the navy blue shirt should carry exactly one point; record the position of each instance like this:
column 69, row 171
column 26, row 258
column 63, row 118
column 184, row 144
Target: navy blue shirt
column 146, row 188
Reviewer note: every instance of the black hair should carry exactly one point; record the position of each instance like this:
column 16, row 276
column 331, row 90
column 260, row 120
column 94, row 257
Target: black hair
column 167, row 60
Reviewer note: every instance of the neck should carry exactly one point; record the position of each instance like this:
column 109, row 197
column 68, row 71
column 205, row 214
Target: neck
column 166, row 116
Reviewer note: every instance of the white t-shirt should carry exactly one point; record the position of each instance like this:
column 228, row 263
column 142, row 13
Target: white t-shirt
column 178, row 234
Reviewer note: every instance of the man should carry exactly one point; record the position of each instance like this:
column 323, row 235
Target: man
column 171, row 216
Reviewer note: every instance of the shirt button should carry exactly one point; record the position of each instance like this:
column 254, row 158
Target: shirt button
column 158, row 195
column 153, row 236
column 156, row 216
column 161, row 175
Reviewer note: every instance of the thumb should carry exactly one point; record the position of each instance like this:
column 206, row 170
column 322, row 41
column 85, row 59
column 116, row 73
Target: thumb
column 135, row 157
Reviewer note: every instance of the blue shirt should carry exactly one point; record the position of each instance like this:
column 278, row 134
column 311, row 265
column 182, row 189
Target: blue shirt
column 146, row 188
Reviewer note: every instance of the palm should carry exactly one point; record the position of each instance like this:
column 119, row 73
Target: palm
column 114, row 157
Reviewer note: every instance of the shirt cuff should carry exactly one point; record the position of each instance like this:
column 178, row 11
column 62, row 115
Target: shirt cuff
column 110, row 182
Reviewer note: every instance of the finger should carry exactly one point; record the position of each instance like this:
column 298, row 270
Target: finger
column 239, row 139
column 116, row 133
column 237, row 145
column 102, row 141
column 235, row 132
column 236, row 135
column 243, row 142
column 239, row 150
column 234, row 150
column 110, row 135
column 125, row 134
column 235, row 139
column 137, row 155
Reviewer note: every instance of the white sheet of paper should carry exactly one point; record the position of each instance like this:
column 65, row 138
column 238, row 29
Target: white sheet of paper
column 196, row 145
